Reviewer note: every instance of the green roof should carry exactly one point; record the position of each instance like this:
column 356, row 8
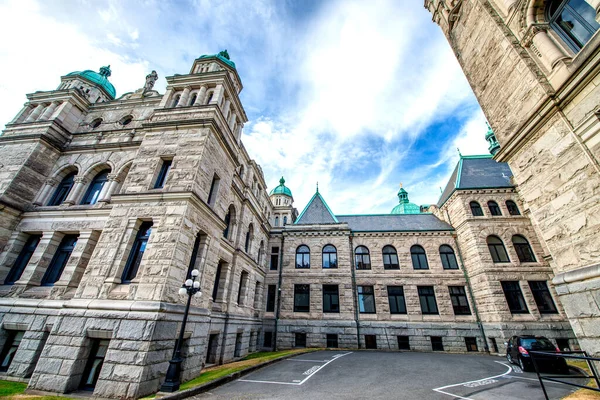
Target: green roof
column 98, row 78
column 223, row 56
column 405, row 207
column 281, row 189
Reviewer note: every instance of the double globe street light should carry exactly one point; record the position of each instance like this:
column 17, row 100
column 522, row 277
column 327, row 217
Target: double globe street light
column 190, row 287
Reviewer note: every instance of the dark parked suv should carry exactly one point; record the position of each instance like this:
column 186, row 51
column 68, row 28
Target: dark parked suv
column 518, row 348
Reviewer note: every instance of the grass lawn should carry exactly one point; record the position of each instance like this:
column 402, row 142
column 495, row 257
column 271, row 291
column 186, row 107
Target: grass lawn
column 216, row 372
column 583, row 394
column 14, row 391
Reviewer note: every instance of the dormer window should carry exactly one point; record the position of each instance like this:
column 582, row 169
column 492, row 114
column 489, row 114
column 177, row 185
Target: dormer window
column 573, row 20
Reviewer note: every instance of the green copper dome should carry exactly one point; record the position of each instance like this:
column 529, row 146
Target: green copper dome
column 281, row 189
column 223, row 56
column 405, row 207
column 491, row 139
column 99, row 78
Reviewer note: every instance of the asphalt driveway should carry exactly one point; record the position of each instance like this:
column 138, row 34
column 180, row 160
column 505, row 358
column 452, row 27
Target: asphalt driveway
column 388, row 375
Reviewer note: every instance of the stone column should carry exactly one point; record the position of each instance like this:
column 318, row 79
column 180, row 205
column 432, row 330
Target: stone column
column 232, row 120
column 45, row 250
column 35, row 113
column 225, row 108
column 184, row 97
column 109, row 188
column 43, row 195
column 49, row 111
column 22, row 115
column 86, row 242
column 201, row 96
column 74, row 194
column 546, row 49
column 217, row 95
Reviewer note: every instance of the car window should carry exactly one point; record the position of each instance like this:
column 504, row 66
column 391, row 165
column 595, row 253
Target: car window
column 537, row 344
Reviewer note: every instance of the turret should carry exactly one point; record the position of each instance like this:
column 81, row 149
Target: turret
column 491, row 138
column 284, row 212
column 404, row 206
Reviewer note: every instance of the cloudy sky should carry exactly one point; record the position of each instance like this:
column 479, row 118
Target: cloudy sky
column 356, row 95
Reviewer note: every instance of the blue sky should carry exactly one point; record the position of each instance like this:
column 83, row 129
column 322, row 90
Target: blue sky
column 357, row 95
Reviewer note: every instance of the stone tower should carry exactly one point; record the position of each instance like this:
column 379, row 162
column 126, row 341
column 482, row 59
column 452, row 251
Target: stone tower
column 106, row 206
column 534, row 67
column 283, row 205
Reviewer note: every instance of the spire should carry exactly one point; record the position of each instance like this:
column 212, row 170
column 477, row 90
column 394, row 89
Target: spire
column 317, row 186
column 491, row 138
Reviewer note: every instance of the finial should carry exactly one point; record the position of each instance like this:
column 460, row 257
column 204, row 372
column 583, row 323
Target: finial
column 400, row 185
column 224, row 54
column 105, row 71
column 441, row 191
column 317, row 186
column 281, row 181
column 457, row 149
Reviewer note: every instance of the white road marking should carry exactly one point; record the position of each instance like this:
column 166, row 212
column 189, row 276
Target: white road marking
column 312, row 361
column 439, row 390
column 517, row 370
column 314, row 370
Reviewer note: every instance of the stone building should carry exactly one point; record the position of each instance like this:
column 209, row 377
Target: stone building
column 107, row 205
column 534, row 66
column 457, row 279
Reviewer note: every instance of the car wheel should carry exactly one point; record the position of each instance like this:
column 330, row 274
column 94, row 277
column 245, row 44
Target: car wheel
column 523, row 366
column 509, row 358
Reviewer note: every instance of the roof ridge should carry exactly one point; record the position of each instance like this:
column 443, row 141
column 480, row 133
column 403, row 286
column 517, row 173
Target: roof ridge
column 310, row 202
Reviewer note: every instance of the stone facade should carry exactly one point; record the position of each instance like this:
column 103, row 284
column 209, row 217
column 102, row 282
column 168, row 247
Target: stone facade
column 538, row 87
column 106, row 206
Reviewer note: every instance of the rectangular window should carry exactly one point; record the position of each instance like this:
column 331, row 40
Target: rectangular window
column 137, row 252
column 94, row 364
column 162, row 174
column 214, row 190
column 514, row 297
column 471, row 343
column 427, row 300
column 436, row 343
column 22, row 260
column 215, row 292
column 494, row 344
column 332, row 341
column 366, row 299
column 396, row 300
column 300, row 339
column 331, row 299
column 211, row 349
column 10, row 349
column 237, row 352
column 242, row 288
column 301, row 298
column 274, row 259
column 460, row 304
column 271, row 291
column 403, row 343
column 268, row 339
column 59, row 261
column 542, row 297
column 370, row 341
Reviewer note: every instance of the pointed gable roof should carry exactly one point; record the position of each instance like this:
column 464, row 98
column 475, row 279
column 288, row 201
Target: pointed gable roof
column 316, row 212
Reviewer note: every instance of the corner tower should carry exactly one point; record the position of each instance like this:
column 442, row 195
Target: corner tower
column 283, row 205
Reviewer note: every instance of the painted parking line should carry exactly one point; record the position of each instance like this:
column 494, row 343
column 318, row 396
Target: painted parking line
column 309, row 373
column 478, row 382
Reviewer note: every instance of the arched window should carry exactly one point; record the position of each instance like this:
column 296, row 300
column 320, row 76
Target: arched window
column 284, row 220
column 93, row 192
column 476, row 209
column 329, row 256
column 494, row 209
column 523, row 249
column 227, row 224
column 176, row 100
column 62, row 191
column 137, row 251
column 362, row 259
column 209, row 98
column 497, row 250
column 573, row 20
column 276, row 221
column 419, row 258
column 303, row 257
column 193, row 99
column 512, row 208
column 261, row 250
column 126, row 120
column 448, row 257
column 95, row 123
column 390, row 258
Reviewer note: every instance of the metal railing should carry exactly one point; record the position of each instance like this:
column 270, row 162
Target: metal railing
column 560, row 378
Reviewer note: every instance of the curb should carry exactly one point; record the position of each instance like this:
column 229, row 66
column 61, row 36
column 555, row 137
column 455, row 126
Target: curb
column 218, row 382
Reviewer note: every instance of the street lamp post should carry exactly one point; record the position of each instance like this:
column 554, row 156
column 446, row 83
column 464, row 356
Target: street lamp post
column 191, row 287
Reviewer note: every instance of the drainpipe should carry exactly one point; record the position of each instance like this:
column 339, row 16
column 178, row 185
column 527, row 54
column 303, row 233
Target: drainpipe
column 486, row 347
column 354, row 290
column 278, row 292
